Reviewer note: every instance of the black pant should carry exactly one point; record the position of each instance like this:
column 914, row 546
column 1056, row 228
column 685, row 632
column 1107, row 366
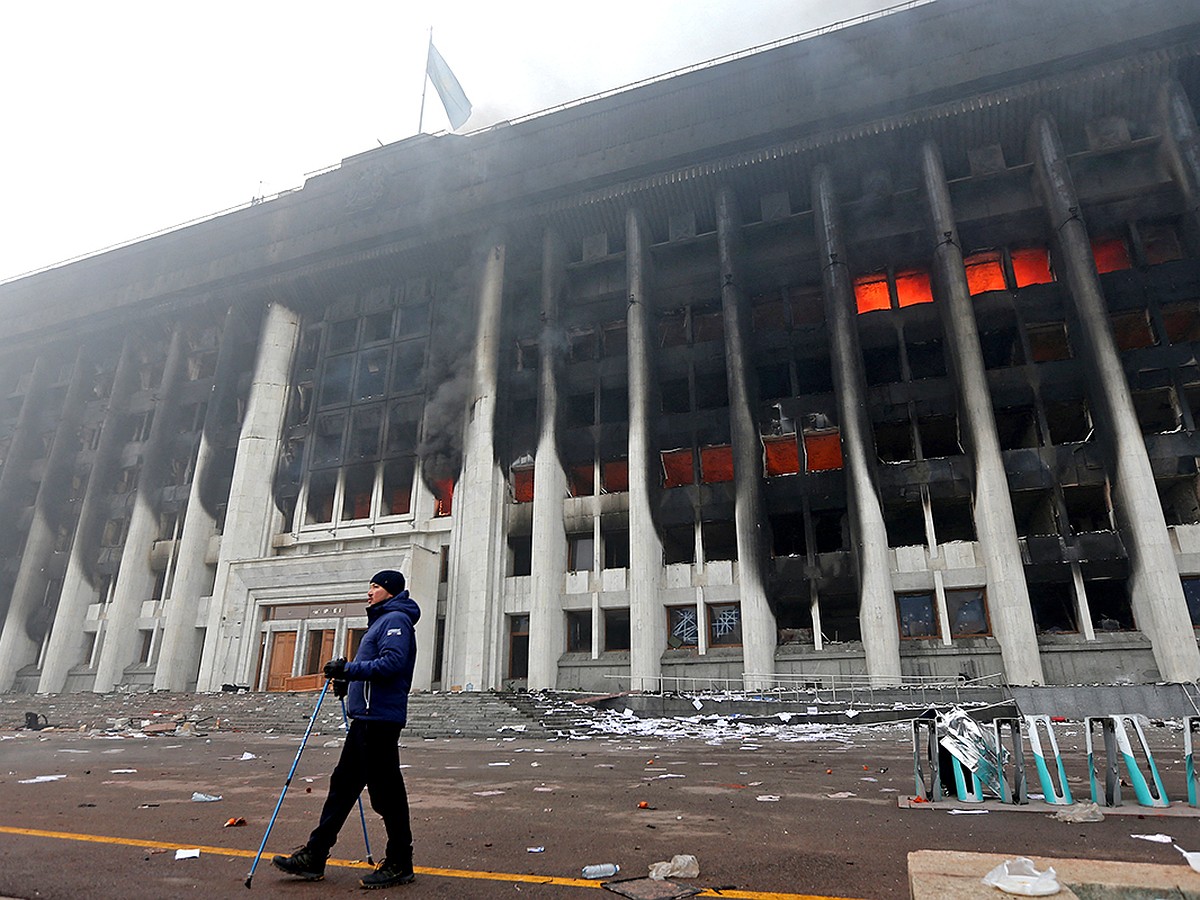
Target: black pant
column 371, row 757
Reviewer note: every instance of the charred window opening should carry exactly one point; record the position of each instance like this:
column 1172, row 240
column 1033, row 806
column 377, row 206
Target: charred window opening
column 1033, row 513
column 672, row 329
column 781, row 455
column 522, row 483
column 377, row 327
column 140, row 425
column 683, row 627
column 335, row 380
column 528, row 356
column 768, row 314
column 1049, row 342
column 443, row 497
column 1108, row 602
column 806, row 305
column 321, row 489
column 939, row 436
column 712, row 392
column 839, row 617
column 520, row 555
column 926, row 359
column 814, row 376
column 913, row 287
column 579, row 631
column 985, row 272
column 829, row 529
column 616, row 629
column 614, row 405
column 1053, row 606
column 581, row 479
column 676, row 396
column 614, row 540
column 580, row 410
column 774, row 381
column 1157, row 242
column 372, row 375
column 1191, row 593
column 341, row 336
column 356, row 492
column 1087, row 508
column 905, row 524
column 967, row 613
column 113, row 533
column 582, row 346
column 679, row 544
column 872, row 293
column 1017, row 428
column 414, row 319
column 716, row 464
column 1191, row 395
column 1180, row 503
column 709, row 325
column 581, row 550
column 894, row 441
column 1068, row 421
column 719, row 540
column 678, row 466
column 822, row 450
column 398, row 477
column 127, row 480
column 1132, row 330
column 614, row 340
column 1111, row 254
column 787, row 534
column 201, row 365
column 882, row 365
column 614, row 476
column 1156, row 410
column 917, row 615
column 1181, row 321
column 408, row 361
column 952, row 519
column 724, row 625
column 1001, row 347
column 794, row 621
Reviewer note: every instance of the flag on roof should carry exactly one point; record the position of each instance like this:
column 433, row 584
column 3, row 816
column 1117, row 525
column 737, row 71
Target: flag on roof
column 454, row 99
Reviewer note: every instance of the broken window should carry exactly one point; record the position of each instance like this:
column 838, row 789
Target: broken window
column 829, row 529
column 342, row 335
column 1031, row 265
column 1179, row 501
column 871, row 292
column 952, row 519
column 372, row 374
column 518, row 646
column 579, row 631
column 414, row 319
column 614, row 340
column 679, row 544
column 1156, row 410
column 404, row 421
column 1191, row 593
column 1132, row 330
column 1048, row 342
column 926, row 359
column 905, row 524
column 768, row 314
column 356, row 493
column 939, row 436
column 893, row 441
column 1053, row 606
column 724, row 625
column 814, row 376
column 1182, row 322
column 1108, row 602
column 822, row 450
column 321, row 488
column 712, row 392
column 581, row 479
column 327, row 442
column 580, row 552
column 615, row 542
column 676, row 396
column 407, row 365
column 807, row 305
column 774, row 381
column 366, row 426
column 1001, row 347
column 787, row 534
column 984, row 273
column 839, row 617
column 522, row 484
column 1159, row 243
column 520, row 554
column 443, row 497
column 683, row 629
column 1069, row 422
column 672, row 329
column 716, row 464
column 114, row 530
column 1087, row 508
column 913, row 287
column 677, row 467
column 1110, row 254
column 614, row 405
column 967, row 613
column 709, row 325
column 397, row 486
column 582, row 345
column 1033, row 513
column 1016, row 427
column 781, row 455
column 614, row 476
column 917, row 615
column 335, row 382
column 881, row 365
column 377, row 327
column 616, row 629
column 719, row 540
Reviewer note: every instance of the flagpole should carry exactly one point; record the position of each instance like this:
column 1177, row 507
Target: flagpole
column 425, row 84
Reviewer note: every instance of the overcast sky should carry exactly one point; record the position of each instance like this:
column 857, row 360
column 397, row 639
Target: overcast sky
column 123, row 118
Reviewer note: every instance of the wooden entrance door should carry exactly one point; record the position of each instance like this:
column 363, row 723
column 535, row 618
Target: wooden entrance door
column 283, row 652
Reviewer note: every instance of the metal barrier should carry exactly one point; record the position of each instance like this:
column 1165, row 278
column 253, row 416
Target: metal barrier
column 1117, row 743
column 1061, row 794
column 1012, row 760
column 926, row 763
column 1190, row 724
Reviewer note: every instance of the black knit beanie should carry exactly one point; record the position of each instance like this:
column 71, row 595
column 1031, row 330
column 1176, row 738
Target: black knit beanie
column 390, row 580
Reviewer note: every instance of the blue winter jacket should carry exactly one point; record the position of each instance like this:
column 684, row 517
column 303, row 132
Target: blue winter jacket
column 382, row 670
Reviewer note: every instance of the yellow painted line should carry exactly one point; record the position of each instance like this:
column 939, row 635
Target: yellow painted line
column 470, row 874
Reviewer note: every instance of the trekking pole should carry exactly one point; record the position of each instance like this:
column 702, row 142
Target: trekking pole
column 295, row 762
column 361, row 815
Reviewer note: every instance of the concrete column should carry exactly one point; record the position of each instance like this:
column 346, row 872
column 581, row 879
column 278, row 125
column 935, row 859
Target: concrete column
column 1007, row 594
column 135, row 578
column 750, row 517
column 546, row 631
column 877, row 604
column 1181, row 149
column 250, row 517
column 20, row 638
column 475, row 613
column 647, row 621
column 65, row 647
column 1155, row 590
column 14, row 474
column 179, row 651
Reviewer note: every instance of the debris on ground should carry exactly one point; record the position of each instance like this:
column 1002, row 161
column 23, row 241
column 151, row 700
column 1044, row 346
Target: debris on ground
column 682, row 865
column 1019, row 876
column 199, row 797
column 187, row 854
column 234, row 822
column 1080, row 813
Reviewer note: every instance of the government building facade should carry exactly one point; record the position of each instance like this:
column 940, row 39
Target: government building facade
column 870, row 353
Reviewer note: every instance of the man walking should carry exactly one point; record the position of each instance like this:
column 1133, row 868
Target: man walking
column 378, row 680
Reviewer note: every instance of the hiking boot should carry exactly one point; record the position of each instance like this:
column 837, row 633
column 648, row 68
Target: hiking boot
column 304, row 863
column 389, row 874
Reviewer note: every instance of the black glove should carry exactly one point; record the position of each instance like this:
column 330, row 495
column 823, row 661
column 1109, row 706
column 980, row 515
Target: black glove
column 336, row 668
column 341, row 687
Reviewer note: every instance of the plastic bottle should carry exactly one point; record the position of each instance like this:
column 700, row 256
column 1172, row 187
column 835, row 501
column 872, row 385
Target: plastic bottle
column 603, row 870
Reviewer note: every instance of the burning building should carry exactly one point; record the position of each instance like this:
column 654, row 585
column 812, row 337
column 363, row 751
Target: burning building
column 872, row 352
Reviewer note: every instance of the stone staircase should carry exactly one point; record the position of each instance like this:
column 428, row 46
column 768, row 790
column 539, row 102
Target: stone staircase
column 430, row 715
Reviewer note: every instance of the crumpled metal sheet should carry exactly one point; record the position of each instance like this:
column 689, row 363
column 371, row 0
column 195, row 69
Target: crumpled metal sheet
column 649, row 889
column 973, row 746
